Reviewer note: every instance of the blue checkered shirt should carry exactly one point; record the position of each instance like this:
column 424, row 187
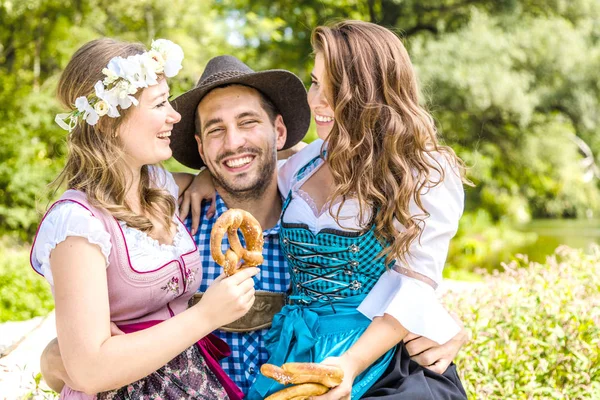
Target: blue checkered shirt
column 247, row 349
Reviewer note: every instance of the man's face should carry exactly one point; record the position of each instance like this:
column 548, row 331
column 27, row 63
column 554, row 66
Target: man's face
column 237, row 140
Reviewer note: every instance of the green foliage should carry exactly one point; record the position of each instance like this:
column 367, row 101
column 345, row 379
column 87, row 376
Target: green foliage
column 535, row 330
column 39, row 392
column 37, row 38
column 512, row 84
column 508, row 94
column 23, row 293
column 479, row 243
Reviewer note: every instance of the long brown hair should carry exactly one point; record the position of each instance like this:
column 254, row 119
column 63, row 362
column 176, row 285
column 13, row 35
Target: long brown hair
column 381, row 144
column 95, row 163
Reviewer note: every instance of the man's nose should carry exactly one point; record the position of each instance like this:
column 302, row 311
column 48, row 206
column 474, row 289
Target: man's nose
column 234, row 139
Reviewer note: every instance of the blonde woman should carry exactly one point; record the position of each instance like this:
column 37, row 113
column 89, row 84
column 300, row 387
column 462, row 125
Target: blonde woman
column 370, row 211
column 112, row 247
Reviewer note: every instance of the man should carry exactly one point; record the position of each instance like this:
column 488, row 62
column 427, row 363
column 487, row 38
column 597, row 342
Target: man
column 234, row 122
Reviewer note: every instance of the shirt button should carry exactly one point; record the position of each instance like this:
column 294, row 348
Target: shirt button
column 251, row 370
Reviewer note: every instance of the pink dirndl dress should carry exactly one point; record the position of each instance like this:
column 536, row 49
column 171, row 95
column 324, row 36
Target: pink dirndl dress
column 141, row 299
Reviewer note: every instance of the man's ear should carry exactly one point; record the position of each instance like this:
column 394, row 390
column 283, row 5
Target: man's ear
column 280, row 131
column 200, row 148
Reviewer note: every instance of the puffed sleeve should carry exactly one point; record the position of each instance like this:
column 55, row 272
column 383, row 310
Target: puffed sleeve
column 63, row 220
column 164, row 179
column 412, row 299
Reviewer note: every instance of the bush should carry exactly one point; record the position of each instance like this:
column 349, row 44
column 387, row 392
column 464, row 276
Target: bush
column 536, row 329
column 482, row 243
column 23, row 293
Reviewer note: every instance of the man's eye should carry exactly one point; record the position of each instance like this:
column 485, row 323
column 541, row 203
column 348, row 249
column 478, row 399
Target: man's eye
column 212, row 131
column 249, row 122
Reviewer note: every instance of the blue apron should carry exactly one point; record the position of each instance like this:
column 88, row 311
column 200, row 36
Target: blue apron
column 331, row 273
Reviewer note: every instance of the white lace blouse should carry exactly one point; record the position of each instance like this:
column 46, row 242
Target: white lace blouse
column 411, row 300
column 70, row 219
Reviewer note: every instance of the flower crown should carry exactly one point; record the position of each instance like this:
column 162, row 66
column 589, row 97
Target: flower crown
column 123, row 78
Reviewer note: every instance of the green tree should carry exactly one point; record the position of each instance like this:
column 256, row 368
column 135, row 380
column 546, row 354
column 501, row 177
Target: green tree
column 512, row 85
column 37, row 38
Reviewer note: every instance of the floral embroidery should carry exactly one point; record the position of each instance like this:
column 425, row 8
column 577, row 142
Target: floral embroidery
column 190, row 276
column 172, row 285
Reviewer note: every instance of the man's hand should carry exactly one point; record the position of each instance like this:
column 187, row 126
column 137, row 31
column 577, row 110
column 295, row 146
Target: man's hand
column 52, row 367
column 201, row 188
column 433, row 356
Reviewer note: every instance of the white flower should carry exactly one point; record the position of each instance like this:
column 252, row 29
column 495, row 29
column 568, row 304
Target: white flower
column 89, row 114
column 172, row 53
column 110, row 76
column 101, row 108
column 157, row 61
column 132, row 71
column 172, row 68
column 109, row 98
column 149, row 69
column 115, row 67
column 122, row 91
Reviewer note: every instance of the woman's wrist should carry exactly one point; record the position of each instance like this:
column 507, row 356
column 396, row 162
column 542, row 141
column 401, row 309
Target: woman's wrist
column 354, row 364
column 204, row 317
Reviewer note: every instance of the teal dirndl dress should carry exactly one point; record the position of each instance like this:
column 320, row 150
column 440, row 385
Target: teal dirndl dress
column 331, row 273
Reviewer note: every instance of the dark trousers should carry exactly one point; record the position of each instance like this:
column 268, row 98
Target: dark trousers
column 406, row 379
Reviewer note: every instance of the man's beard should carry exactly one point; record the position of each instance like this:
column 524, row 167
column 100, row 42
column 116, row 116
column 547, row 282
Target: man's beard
column 250, row 190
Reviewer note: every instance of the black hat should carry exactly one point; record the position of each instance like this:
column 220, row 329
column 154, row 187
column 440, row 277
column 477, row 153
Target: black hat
column 283, row 88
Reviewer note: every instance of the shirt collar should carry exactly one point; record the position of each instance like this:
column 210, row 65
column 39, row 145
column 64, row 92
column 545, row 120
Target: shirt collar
column 221, row 207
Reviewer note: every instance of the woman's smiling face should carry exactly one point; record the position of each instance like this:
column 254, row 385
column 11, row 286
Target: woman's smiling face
column 321, row 110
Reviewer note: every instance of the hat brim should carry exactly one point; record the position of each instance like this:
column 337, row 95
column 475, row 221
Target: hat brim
column 283, row 88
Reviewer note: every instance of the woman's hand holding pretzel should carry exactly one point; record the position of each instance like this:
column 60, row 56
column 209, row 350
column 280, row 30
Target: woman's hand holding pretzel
column 229, row 298
column 307, row 380
column 344, row 389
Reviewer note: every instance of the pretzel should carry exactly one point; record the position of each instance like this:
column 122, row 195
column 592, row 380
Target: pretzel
column 296, row 373
column 230, row 221
column 299, row 392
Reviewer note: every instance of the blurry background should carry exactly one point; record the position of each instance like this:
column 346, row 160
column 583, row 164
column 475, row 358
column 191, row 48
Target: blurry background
column 513, row 86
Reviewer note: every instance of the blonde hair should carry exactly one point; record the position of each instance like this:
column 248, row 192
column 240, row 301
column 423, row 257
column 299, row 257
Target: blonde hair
column 380, row 147
column 95, row 163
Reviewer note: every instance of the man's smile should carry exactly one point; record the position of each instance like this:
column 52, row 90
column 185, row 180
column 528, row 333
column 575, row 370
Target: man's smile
column 239, row 163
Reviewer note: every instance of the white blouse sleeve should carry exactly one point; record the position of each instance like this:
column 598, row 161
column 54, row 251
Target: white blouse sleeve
column 411, row 301
column 164, row 179
column 63, row 220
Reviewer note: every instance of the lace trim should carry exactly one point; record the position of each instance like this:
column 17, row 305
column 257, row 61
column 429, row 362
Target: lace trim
column 308, row 200
column 313, row 206
column 142, row 237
